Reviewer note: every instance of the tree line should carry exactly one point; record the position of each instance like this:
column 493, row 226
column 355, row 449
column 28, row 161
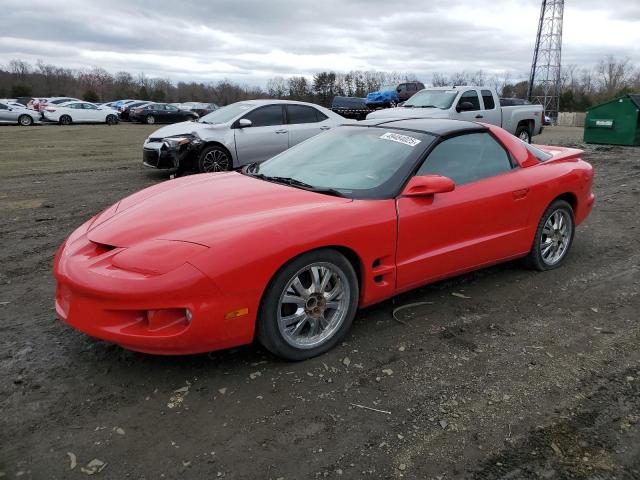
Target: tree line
column 580, row 87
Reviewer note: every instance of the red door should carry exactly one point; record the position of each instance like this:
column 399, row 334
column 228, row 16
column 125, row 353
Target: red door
column 480, row 222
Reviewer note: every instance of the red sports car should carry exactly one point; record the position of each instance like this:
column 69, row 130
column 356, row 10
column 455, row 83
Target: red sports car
column 286, row 251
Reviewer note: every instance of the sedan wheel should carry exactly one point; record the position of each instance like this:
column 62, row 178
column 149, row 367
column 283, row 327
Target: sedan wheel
column 309, row 306
column 554, row 237
column 25, row 120
column 111, row 119
column 214, row 159
column 150, row 119
column 65, row 120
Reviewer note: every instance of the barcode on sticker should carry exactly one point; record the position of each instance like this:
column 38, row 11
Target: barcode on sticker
column 396, row 137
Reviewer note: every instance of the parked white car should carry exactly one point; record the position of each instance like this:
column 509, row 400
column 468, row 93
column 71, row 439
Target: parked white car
column 79, row 112
column 13, row 112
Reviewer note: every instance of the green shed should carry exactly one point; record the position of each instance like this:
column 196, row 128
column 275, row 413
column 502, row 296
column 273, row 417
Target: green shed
column 616, row 122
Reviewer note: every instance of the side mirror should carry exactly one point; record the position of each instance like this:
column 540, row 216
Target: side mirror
column 244, row 122
column 427, row 185
column 464, row 107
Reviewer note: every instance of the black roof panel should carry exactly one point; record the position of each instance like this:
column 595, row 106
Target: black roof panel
column 436, row 126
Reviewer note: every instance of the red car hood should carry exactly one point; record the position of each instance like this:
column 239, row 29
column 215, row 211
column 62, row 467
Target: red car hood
column 203, row 209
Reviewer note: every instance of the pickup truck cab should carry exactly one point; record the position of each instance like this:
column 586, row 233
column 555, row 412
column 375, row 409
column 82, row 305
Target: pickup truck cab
column 471, row 103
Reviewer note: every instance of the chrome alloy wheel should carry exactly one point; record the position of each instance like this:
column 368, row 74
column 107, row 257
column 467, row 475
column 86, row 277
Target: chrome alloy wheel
column 555, row 238
column 524, row 136
column 215, row 161
column 313, row 305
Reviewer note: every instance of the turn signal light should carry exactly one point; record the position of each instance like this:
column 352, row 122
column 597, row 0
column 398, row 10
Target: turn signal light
column 236, row 313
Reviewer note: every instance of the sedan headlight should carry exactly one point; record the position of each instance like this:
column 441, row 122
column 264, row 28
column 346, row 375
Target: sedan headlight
column 178, row 141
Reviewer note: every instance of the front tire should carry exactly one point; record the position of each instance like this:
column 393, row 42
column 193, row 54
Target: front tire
column 308, row 306
column 523, row 133
column 214, row 159
column 65, row 120
column 150, row 120
column 25, row 120
column 554, row 237
column 111, row 120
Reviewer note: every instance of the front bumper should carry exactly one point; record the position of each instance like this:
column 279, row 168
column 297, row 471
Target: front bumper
column 121, row 306
column 160, row 154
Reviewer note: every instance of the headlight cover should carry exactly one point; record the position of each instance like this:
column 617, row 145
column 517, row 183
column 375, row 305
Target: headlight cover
column 156, row 257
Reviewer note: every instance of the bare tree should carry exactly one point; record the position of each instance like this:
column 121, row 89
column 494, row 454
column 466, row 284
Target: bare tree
column 613, row 73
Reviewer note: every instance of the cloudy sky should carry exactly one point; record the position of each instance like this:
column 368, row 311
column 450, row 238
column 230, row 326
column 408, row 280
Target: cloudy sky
column 250, row 41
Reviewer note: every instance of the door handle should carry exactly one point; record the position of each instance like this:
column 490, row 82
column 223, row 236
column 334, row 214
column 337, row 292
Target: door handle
column 519, row 194
column 325, row 127
column 479, row 116
column 282, row 131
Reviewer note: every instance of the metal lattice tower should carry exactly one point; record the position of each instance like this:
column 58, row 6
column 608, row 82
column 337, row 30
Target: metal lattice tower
column 544, row 81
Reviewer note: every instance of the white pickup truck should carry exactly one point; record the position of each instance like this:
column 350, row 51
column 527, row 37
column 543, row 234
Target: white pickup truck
column 476, row 104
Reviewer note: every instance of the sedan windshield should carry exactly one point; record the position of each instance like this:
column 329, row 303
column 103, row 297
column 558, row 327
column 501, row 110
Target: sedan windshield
column 356, row 162
column 432, row 98
column 228, row 113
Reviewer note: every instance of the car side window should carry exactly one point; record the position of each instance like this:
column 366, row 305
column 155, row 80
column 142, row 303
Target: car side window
column 470, row 96
column 266, row 116
column 467, row 158
column 3, row 107
column 171, row 108
column 88, row 106
column 487, row 99
column 302, row 114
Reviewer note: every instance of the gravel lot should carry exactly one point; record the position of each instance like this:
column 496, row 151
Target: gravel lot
column 505, row 373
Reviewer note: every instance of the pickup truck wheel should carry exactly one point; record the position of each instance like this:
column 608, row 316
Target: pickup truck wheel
column 523, row 134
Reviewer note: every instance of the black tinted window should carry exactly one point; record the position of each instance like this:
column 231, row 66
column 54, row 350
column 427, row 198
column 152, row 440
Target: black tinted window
column 3, row 106
column 470, row 96
column 467, row 158
column 487, row 98
column 302, row 114
column 265, row 116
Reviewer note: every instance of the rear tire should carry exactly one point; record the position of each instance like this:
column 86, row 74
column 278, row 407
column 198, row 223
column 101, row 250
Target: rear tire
column 554, row 237
column 523, row 133
column 150, row 120
column 308, row 306
column 111, row 120
column 65, row 120
column 25, row 120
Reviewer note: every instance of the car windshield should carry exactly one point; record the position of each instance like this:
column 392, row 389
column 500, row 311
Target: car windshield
column 432, row 98
column 388, row 88
column 225, row 114
column 357, row 162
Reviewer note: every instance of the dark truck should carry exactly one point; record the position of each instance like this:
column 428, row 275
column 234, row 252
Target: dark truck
column 351, row 107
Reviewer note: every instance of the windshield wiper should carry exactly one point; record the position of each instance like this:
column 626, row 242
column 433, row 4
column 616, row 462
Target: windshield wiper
column 428, row 106
column 296, row 183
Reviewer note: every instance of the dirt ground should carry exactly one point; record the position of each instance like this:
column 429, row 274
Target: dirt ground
column 505, row 374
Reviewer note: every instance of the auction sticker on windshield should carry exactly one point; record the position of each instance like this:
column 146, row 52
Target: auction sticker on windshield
column 396, row 137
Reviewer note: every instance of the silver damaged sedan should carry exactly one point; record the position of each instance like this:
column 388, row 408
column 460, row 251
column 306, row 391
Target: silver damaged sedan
column 236, row 135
